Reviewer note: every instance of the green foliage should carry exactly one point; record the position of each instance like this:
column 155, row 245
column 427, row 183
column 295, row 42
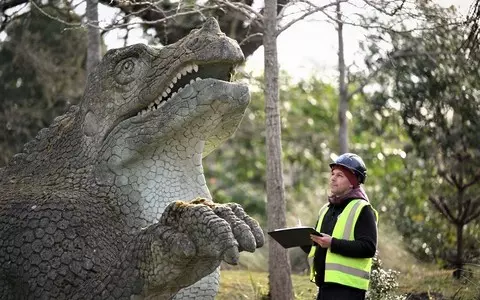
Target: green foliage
column 41, row 74
column 237, row 169
column 427, row 80
column 383, row 283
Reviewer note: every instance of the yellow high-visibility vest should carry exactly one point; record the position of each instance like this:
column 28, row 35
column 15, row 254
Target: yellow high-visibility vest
column 349, row 271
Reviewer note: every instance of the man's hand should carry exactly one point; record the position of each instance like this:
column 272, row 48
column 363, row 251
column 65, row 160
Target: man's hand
column 324, row 241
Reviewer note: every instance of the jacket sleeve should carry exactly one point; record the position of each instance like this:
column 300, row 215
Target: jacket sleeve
column 365, row 234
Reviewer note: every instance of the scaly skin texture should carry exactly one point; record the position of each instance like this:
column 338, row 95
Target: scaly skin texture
column 91, row 209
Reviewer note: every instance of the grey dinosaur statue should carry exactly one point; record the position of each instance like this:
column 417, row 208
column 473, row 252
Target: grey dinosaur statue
column 110, row 201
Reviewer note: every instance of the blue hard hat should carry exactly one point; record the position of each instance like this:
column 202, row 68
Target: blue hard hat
column 354, row 163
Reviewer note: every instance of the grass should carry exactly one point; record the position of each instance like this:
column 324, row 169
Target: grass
column 252, row 285
column 237, row 284
column 250, row 281
column 431, row 279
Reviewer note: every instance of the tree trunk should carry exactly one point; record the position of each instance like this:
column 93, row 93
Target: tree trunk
column 278, row 264
column 342, row 87
column 93, row 48
column 457, row 274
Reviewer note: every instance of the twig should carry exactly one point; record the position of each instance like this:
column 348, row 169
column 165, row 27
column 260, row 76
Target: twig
column 53, row 17
column 308, row 13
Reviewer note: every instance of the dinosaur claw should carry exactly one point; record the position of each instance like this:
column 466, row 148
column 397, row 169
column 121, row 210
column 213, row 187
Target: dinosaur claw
column 231, row 255
column 247, row 241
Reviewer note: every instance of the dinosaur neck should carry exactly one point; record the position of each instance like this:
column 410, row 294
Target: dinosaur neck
column 146, row 182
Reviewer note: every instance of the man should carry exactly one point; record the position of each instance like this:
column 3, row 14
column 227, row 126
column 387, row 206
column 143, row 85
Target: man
column 342, row 256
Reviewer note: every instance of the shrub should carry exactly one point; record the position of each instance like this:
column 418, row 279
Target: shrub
column 383, row 283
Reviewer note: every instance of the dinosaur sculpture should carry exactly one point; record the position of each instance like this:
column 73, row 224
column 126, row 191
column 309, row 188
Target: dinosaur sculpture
column 99, row 206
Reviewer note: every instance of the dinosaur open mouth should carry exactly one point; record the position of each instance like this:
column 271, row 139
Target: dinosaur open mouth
column 188, row 75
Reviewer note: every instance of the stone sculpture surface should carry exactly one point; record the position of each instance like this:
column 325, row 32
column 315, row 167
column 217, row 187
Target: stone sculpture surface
column 99, row 206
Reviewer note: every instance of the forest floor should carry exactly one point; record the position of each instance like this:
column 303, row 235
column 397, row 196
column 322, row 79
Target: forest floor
column 432, row 284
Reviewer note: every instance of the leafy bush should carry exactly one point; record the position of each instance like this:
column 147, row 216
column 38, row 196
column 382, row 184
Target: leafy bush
column 383, row 283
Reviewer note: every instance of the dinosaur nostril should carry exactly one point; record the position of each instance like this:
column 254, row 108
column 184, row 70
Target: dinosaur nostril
column 193, row 44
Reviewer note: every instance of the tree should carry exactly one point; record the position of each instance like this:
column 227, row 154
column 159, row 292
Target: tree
column 172, row 20
column 191, row 16
column 473, row 20
column 41, row 73
column 94, row 41
column 434, row 85
column 279, row 265
column 237, row 169
column 386, row 8
column 342, row 86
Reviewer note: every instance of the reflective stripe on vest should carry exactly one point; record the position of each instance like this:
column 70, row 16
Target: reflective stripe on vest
column 354, row 272
column 311, row 255
column 348, row 270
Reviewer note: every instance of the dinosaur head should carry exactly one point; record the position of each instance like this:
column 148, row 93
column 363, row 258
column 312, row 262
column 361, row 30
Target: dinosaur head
column 134, row 84
column 159, row 111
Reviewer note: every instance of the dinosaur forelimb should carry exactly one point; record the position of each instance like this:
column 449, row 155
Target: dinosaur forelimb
column 189, row 242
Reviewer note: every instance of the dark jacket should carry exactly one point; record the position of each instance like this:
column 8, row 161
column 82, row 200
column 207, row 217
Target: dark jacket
column 365, row 233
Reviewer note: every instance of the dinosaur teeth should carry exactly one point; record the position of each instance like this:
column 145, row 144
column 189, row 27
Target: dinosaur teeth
column 161, row 104
column 162, row 99
column 184, row 71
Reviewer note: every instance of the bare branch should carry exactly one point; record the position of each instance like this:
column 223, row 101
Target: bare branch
column 475, row 214
column 167, row 18
column 8, row 18
column 241, row 7
column 251, row 36
column 442, row 207
column 448, row 179
column 54, row 17
column 171, row 20
column 370, row 26
column 384, row 9
column 473, row 19
column 308, row 13
column 117, row 25
column 475, row 180
column 7, row 4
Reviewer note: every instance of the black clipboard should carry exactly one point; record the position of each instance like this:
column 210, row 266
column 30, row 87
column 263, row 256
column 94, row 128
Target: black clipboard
column 294, row 236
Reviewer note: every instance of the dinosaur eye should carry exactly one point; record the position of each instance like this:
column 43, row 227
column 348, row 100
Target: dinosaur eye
column 127, row 66
column 126, row 71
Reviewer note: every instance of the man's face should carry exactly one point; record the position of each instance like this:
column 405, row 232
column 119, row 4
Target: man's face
column 339, row 183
